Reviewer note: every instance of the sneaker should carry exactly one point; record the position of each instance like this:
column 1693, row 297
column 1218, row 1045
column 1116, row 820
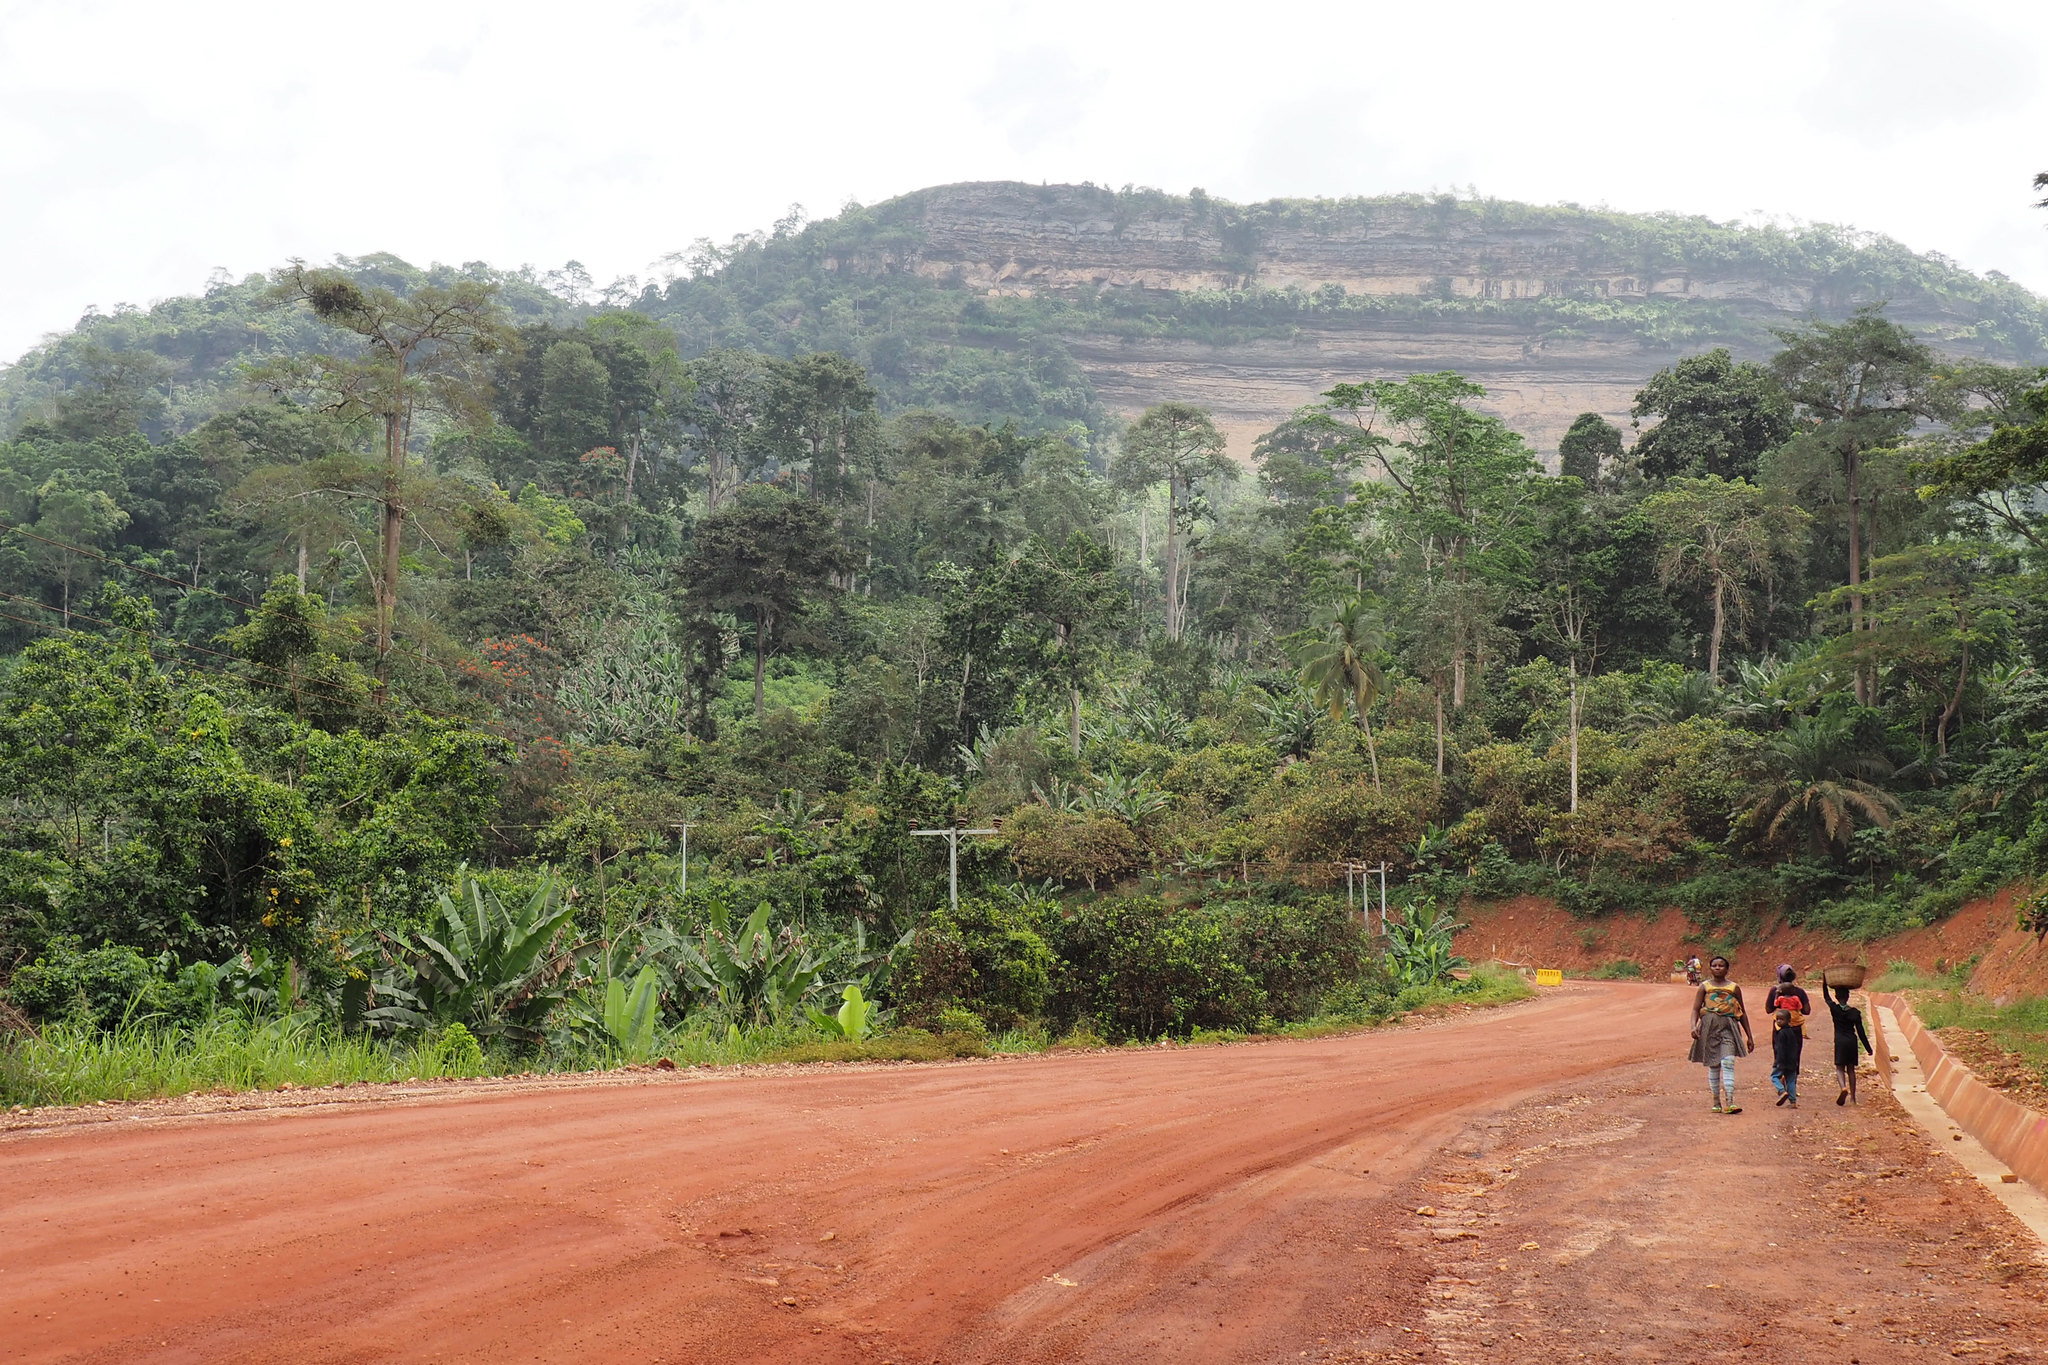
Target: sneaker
column 1842, row 1098
column 1782, row 1099
column 1732, row 1109
column 1795, row 1104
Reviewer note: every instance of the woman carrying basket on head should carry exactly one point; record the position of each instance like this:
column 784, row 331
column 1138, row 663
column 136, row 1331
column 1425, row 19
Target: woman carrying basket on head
column 1720, row 1033
column 1851, row 1038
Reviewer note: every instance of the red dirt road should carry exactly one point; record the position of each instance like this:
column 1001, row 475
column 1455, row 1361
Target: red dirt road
column 1236, row 1203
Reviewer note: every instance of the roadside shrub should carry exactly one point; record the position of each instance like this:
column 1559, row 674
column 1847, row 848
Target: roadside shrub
column 99, row 987
column 459, row 1051
column 957, row 1020
column 1070, row 846
column 988, row 958
column 1298, row 952
column 1140, row 969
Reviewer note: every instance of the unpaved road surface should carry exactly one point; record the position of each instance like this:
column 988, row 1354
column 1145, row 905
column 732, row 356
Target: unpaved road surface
column 1253, row 1203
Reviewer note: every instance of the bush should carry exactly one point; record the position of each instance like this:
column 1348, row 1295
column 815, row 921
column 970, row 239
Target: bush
column 1296, row 952
column 100, row 987
column 967, row 1022
column 1070, row 846
column 459, row 1052
column 987, row 957
column 1603, row 893
column 1139, row 969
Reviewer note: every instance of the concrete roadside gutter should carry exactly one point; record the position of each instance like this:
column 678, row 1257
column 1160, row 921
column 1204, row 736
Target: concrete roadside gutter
column 1992, row 1136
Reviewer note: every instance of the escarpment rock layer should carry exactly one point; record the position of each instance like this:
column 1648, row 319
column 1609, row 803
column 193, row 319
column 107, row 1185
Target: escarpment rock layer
column 1252, row 310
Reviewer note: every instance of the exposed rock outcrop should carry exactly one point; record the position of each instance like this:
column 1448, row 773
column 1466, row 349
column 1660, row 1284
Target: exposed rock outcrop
column 1552, row 309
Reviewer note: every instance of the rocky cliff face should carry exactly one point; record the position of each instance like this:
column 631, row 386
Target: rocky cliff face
column 1014, row 238
column 1475, row 287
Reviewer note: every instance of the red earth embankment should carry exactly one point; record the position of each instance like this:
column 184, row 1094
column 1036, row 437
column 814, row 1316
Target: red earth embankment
column 1535, row 931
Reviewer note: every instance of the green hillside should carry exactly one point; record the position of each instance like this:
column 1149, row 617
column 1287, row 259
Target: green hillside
column 848, row 284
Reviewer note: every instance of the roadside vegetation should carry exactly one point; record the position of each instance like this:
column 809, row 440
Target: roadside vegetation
column 473, row 677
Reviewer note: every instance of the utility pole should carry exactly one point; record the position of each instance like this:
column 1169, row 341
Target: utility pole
column 952, row 838
column 1383, row 898
column 684, row 829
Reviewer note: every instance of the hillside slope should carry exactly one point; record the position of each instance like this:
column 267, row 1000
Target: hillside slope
column 1253, row 310
column 1056, row 305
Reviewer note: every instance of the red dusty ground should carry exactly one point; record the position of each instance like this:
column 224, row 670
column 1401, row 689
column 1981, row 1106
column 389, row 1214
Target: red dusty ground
column 1064, row 1207
column 1243, row 1203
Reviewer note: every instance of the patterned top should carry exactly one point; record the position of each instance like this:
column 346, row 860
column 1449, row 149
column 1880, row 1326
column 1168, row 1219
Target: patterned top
column 1722, row 1000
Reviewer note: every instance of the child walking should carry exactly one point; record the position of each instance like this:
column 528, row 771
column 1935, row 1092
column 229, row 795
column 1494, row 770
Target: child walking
column 1720, row 1032
column 1849, row 1034
column 1788, row 1007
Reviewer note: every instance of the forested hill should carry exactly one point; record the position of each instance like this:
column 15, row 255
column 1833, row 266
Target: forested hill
column 319, row 588
column 1062, row 304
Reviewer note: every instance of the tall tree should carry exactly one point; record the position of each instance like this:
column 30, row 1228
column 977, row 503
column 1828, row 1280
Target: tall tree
column 115, row 395
column 1069, row 600
column 725, row 411
column 1995, row 453
column 1715, row 415
column 1720, row 534
column 1592, row 443
column 820, row 413
column 422, row 351
column 1938, row 613
column 1860, row 386
column 762, row 553
column 1340, row 664
column 1176, row 444
column 1453, row 516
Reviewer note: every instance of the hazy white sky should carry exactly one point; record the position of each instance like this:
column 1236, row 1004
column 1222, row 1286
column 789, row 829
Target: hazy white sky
column 142, row 145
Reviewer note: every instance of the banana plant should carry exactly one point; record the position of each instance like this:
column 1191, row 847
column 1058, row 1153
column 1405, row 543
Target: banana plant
column 1419, row 945
column 620, row 1008
column 854, row 1020
column 496, row 969
column 749, row 971
column 630, row 1015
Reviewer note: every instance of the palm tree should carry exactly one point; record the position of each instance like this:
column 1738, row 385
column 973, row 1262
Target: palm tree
column 1665, row 701
column 1820, row 787
column 1339, row 667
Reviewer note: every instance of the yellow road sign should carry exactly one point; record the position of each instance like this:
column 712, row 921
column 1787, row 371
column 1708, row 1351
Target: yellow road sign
column 1549, row 976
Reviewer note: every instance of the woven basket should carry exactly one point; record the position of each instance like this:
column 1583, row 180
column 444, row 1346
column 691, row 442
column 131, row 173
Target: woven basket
column 1843, row 974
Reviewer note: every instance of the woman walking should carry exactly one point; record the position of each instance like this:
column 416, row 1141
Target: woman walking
column 1720, row 1032
column 1849, row 1034
column 1788, row 1008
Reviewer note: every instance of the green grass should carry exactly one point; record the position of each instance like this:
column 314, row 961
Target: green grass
column 897, row 1045
column 1621, row 969
column 2020, row 1027
column 67, row 1064
column 1901, row 975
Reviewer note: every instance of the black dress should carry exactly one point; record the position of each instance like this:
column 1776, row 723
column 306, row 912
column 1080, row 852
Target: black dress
column 1849, row 1032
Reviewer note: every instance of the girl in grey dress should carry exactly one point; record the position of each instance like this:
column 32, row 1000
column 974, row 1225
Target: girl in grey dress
column 1720, row 1033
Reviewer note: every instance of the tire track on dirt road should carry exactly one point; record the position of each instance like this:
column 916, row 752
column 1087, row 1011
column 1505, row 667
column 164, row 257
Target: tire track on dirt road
column 1217, row 1203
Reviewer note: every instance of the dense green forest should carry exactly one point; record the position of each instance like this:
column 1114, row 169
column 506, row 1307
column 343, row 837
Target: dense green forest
column 375, row 638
